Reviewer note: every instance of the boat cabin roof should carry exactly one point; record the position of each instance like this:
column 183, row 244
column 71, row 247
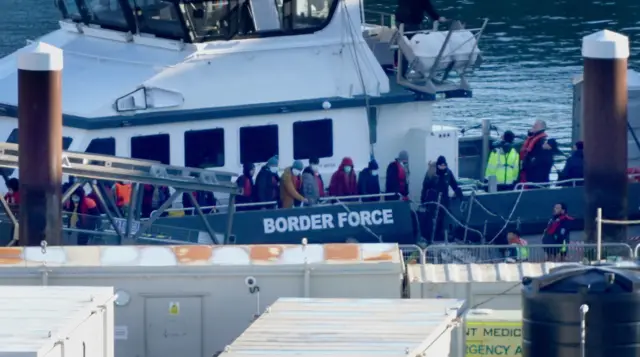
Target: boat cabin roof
column 396, row 94
column 196, row 21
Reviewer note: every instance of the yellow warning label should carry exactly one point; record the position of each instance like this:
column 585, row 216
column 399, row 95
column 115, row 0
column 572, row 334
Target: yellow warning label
column 174, row 308
column 494, row 338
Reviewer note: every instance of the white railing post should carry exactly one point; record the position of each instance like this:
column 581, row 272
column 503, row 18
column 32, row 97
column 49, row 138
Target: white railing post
column 599, row 234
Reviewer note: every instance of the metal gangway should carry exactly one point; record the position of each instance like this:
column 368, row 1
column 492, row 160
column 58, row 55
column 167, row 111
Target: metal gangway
column 91, row 169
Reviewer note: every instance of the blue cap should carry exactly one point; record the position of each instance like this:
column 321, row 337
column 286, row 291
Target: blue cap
column 298, row 165
column 273, row 161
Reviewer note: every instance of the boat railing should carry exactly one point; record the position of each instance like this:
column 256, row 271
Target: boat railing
column 576, row 252
column 181, row 211
column 574, row 182
column 387, row 19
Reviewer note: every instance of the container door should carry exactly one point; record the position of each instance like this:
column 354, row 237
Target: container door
column 173, row 326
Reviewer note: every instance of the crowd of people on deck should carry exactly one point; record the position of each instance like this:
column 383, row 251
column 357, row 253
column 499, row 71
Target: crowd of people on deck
column 534, row 161
column 304, row 186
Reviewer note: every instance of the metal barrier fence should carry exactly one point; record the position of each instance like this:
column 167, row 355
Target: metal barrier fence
column 487, row 254
column 412, row 254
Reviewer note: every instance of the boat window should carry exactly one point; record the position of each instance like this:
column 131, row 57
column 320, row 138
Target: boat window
column 13, row 138
column 105, row 13
column 158, row 17
column 226, row 19
column 66, row 142
column 312, row 139
column 151, row 147
column 204, row 148
column 70, row 10
column 102, row 146
column 258, row 143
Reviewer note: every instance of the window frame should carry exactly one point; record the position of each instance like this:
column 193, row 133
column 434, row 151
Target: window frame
column 163, row 135
column 254, row 127
column 319, row 156
column 224, row 154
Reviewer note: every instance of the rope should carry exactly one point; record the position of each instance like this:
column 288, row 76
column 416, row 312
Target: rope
column 446, row 210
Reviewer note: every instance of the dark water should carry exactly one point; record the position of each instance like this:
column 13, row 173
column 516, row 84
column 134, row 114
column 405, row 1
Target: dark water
column 532, row 50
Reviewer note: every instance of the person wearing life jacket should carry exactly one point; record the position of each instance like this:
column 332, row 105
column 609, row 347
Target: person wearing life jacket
column 574, row 167
column 436, row 186
column 530, row 154
column 13, row 193
column 266, row 187
column 290, row 185
column 397, row 180
column 557, row 233
column 152, row 198
column 107, row 194
column 312, row 183
column 504, row 162
column 344, row 181
column 369, row 182
column 83, row 214
column 122, row 193
column 519, row 251
column 245, row 182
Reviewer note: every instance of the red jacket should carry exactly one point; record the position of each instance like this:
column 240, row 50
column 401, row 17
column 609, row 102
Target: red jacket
column 343, row 184
column 12, row 198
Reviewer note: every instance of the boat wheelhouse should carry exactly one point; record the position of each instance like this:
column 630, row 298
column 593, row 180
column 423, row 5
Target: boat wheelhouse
column 216, row 84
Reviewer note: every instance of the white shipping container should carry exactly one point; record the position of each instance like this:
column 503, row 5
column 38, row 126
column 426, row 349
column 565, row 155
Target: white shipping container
column 56, row 321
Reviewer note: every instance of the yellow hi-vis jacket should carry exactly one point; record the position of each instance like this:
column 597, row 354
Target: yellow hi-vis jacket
column 505, row 167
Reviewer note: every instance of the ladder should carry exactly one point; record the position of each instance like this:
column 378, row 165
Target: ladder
column 87, row 167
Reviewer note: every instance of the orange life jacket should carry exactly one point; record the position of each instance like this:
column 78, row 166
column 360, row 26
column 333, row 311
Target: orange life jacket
column 526, row 149
column 530, row 143
column 123, row 194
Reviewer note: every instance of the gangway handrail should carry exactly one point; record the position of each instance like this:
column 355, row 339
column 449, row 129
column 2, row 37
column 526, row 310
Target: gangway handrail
column 87, row 167
column 274, row 203
column 105, row 167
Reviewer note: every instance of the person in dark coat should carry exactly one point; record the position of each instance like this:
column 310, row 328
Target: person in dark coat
column 435, row 186
column 369, row 182
column 574, row 167
column 557, row 233
column 397, row 177
column 540, row 168
column 267, row 184
column 205, row 199
column 83, row 214
column 533, row 155
column 245, row 182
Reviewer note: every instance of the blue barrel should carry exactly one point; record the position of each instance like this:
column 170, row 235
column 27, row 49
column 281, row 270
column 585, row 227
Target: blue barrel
column 551, row 312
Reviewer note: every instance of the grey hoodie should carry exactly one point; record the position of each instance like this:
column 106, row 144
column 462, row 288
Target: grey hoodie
column 310, row 187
